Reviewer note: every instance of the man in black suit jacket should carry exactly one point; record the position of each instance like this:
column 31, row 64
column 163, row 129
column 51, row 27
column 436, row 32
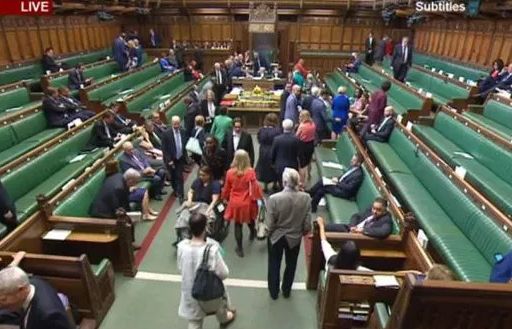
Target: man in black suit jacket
column 374, row 222
column 220, row 82
column 504, row 81
column 238, row 139
column 285, row 149
column 190, row 115
column 57, row 112
column 41, row 306
column 7, row 210
column 402, row 59
column 158, row 125
column 76, row 78
column 382, row 131
column 174, row 141
column 105, row 132
column 49, row 63
column 74, row 108
column 194, row 94
column 369, row 49
column 286, row 92
column 344, row 186
column 319, row 115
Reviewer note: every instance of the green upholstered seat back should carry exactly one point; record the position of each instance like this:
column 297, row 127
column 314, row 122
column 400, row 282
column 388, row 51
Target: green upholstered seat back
column 97, row 72
column 404, row 148
column 78, row 203
column 178, row 109
column 87, row 58
column 153, row 97
column 14, row 98
column 7, row 137
column 498, row 112
column 448, row 67
column 25, row 72
column 344, row 150
column 28, row 127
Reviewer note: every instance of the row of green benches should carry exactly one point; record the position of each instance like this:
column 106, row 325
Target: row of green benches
column 341, row 210
column 463, row 234
column 458, row 70
column 443, row 91
column 495, row 115
column 31, row 73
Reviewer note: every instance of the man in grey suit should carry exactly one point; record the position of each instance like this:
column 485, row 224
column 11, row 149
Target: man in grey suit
column 292, row 107
column 289, row 218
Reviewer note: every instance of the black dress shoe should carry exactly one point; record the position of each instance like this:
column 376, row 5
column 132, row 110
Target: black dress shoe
column 239, row 252
column 274, row 297
column 181, row 199
column 286, row 294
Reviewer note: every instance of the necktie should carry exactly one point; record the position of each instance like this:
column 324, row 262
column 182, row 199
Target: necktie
column 382, row 124
column 219, row 78
column 404, row 51
column 177, row 140
column 346, row 174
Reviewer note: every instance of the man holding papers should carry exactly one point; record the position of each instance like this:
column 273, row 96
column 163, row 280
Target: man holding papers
column 345, row 186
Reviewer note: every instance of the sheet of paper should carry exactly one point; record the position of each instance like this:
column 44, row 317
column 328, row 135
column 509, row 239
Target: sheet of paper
column 79, row 157
column 423, row 239
column 333, row 165
column 386, row 281
column 12, row 109
column 165, row 96
column 460, row 172
column 409, row 125
column 57, row 234
column 126, row 91
column 327, row 181
column 322, row 202
column 464, row 155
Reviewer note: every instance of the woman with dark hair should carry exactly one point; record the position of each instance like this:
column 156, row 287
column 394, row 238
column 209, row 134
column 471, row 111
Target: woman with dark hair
column 266, row 135
column 204, row 189
column 214, row 157
column 190, row 255
column 492, row 79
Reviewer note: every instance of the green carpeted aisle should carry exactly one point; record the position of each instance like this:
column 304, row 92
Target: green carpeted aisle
column 151, row 299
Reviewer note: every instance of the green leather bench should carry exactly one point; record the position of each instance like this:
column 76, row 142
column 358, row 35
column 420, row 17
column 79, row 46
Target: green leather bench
column 400, row 98
column 488, row 169
column 443, row 92
column 16, row 100
column 495, row 116
column 24, row 135
column 336, row 79
column 124, row 86
column 99, row 73
column 47, row 173
column 341, row 210
column 153, row 98
column 79, row 203
column 463, row 235
column 32, row 72
column 458, row 70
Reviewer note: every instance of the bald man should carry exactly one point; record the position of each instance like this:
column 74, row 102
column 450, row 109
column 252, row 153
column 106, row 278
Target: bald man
column 174, row 141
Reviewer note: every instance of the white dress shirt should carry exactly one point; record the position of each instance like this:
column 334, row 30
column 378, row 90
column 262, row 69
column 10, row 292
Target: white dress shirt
column 236, row 140
column 364, row 222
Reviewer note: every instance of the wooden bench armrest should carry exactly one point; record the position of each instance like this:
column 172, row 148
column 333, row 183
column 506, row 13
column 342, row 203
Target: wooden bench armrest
column 83, row 221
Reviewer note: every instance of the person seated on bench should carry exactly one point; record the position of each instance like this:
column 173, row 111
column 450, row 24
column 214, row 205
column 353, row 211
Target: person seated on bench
column 135, row 159
column 503, row 81
column 117, row 191
column 38, row 300
column 165, row 64
column 76, row 78
column 122, row 122
column 151, row 142
column 105, row 132
column 492, row 78
column 374, row 222
column 502, row 270
column 56, row 111
column 7, row 210
column 344, row 186
column 382, row 131
column 158, row 125
column 73, row 105
column 48, row 62
column 353, row 66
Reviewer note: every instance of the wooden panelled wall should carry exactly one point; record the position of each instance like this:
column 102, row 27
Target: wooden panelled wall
column 478, row 42
column 25, row 38
column 314, row 33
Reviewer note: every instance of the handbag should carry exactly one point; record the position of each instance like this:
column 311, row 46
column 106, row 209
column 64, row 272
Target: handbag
column 261, row 225
column 207, row 285
column 193, row 145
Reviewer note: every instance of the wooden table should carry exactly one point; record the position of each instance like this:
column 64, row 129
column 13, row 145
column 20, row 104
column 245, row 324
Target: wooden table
column 252, row 117
column 250, row 84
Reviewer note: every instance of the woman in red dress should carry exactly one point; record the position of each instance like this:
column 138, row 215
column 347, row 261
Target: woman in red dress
column 241, row 191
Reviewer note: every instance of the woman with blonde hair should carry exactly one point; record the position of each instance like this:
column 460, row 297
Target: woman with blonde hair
column 241, row 192
column 306, row 134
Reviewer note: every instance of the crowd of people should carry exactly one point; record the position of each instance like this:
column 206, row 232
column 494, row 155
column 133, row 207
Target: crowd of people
column 127, row 51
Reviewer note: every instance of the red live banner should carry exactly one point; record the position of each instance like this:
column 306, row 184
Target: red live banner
column 26, row 7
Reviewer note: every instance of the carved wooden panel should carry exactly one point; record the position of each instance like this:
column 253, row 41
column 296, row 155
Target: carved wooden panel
column 12, row 43
column 63, row 40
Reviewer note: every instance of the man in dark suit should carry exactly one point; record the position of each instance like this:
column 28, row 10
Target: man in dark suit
column 285, row 149
column 119, row 52
column 48, row 62
column 135, row 159
column 154, row 39
column 284, row 97
column 57, row 112
column 503, row 81
column 194, row 94
column 238, row 139
column 191, row 112
column 7, row 210
column 220, row 82
column 370, row 48
column 382, row 131
column 380, row 50
column 402, row 59
column 319, row 115
column 158, row 125
column 344, row 186
column 76, row 78
column 174, row 141
column 73, row 106
column 374, row 222
column 106, row 132
column 40, row 305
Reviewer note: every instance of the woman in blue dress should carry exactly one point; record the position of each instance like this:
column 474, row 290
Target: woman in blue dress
column 340, row 110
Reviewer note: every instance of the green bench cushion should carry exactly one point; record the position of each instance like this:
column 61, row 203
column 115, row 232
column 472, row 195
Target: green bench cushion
column 14, row 98
column 458, row 70
column 30, row 72
column 99, row 73
column 382, row 312
column 497, row 127
column 99, row 269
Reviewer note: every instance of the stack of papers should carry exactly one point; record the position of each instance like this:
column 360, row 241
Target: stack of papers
column 464, row 155
column 165, row 96
column 126, row 91
column 333, row 165
column 79, row 157
column 327, row 181
column 386, row 281
column 57, row 234
column 236, row 91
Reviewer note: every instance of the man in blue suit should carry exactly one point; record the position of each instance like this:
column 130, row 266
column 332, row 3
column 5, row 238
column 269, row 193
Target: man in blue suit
column 119, row 52
column 344, row 186
column 402, row 59
column 40, row 305
column 504, row 81
column 174, row 141
column 133, row 158
column 319, row 115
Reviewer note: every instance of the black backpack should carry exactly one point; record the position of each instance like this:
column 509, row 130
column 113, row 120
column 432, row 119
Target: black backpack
column 207, row 285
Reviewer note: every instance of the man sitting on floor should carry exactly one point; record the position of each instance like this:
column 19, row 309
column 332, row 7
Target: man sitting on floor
column 374, row 222
column 135, row 159
column 382, row 131
column 345, row 186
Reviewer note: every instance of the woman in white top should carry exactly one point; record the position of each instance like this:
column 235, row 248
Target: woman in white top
column 190, row 255
column 208, row 108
